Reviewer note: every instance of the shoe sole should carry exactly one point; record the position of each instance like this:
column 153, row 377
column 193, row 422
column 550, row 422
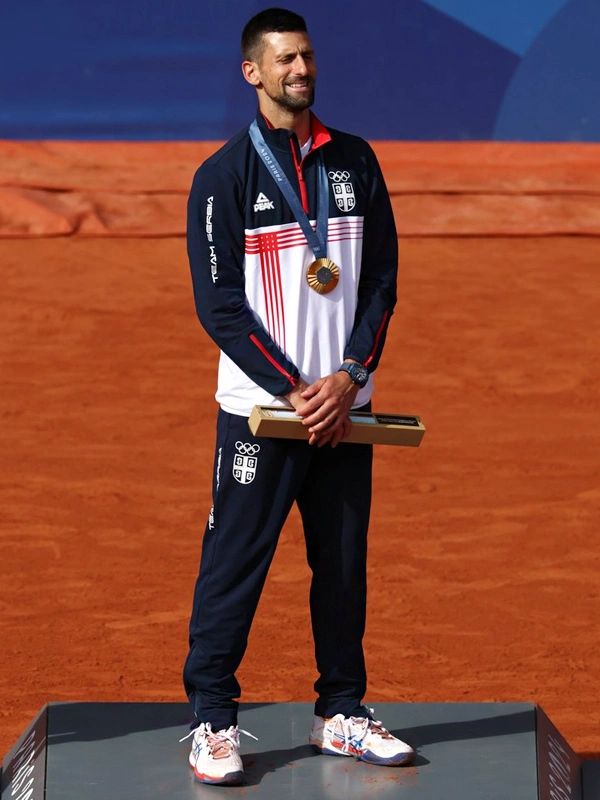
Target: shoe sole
column 326, row 752
column 231, row 779
column 399, row 760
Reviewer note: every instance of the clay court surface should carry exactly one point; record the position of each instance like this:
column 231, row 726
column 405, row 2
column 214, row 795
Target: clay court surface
column 484, row 559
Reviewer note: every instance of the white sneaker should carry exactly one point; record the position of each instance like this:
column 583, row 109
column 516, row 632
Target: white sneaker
column 215, row 757
column 362, row 737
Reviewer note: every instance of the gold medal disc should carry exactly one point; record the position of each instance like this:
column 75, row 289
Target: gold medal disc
column 323, row 275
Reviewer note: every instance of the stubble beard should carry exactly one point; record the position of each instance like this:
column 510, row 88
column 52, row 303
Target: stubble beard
column 291, row 103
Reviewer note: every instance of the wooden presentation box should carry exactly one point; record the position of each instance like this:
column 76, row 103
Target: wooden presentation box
column 367, row 427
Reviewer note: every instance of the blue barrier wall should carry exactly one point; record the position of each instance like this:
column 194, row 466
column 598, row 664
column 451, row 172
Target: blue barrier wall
column 388, row 69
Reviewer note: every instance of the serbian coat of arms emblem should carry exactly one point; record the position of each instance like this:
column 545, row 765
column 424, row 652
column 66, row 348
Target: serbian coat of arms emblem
column 343, row 191
column 244, row 463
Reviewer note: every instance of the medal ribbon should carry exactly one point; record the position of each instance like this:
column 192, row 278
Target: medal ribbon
column 317, row 240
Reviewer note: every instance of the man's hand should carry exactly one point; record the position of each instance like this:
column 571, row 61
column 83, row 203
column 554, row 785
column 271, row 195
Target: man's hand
column 295, row 398
column 326, row 408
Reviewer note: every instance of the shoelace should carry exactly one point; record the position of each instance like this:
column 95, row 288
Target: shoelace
column 377, row 728
column 354, row 729
column 220, row 742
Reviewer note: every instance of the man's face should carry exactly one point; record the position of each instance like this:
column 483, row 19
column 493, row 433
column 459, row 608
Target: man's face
column 286, row 70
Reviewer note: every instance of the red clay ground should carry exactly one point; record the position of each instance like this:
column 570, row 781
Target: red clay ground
column 484, row 558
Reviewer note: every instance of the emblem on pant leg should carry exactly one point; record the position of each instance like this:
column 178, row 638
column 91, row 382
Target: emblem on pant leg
column 244, row 464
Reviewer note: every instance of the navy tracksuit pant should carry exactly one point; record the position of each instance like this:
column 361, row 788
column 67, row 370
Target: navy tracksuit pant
column 256, row 481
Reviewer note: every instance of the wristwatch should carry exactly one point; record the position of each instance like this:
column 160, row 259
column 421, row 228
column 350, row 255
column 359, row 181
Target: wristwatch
column 359, row 375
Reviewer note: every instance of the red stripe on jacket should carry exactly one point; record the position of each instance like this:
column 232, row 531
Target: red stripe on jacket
column 371, row 356
column 270, row 358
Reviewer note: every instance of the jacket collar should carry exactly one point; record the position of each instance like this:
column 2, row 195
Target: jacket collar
column 279, row 138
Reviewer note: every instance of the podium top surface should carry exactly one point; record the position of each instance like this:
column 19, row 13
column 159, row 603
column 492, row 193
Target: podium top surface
column 93, row 751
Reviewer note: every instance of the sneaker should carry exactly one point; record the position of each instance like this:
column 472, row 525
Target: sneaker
column 215, row 757
column 362, row 737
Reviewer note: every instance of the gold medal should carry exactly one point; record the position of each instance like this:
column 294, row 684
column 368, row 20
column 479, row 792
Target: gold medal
column 323, row 275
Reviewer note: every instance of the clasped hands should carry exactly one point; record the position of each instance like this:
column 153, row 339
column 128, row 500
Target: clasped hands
column 325, row 407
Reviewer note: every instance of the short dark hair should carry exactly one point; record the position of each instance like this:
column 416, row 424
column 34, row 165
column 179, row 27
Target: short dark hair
column 271, row 20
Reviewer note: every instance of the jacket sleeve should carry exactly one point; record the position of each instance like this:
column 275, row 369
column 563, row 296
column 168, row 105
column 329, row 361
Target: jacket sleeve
column 215, row 243
column 379, row 268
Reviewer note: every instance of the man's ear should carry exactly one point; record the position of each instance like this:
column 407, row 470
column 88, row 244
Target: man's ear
column 251, row 72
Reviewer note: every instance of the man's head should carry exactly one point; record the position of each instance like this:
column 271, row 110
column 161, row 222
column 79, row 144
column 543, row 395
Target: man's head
column 279, row 60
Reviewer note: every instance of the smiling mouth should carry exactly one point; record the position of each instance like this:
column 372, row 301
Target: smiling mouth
column 299, row 85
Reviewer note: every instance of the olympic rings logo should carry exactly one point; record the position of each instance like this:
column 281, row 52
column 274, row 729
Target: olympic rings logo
column 247, row 449
column 339, row 175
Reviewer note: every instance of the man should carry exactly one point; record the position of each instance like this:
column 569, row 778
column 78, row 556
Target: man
column 293, row 254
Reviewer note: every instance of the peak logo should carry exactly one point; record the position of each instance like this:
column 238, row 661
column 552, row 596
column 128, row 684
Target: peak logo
column 263, row 203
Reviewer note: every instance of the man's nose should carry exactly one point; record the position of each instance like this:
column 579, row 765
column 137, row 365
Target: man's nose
column 300, row 67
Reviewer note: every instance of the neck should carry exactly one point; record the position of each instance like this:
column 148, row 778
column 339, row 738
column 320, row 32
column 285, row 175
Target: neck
column 298, row 121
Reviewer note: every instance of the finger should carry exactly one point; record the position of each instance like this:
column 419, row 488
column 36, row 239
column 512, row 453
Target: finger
column 325, row 438
column 318, row 416
column 326, row 414
column 311, row 406
column 301, row 410
column 332, row 434
column 326, row 422
column 344, row 432
column 340, row 434
column 312, row 390
column 337, row 437
column 324, row 408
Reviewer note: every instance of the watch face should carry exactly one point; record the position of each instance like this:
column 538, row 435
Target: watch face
column 358, row 373
column 361, row 374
